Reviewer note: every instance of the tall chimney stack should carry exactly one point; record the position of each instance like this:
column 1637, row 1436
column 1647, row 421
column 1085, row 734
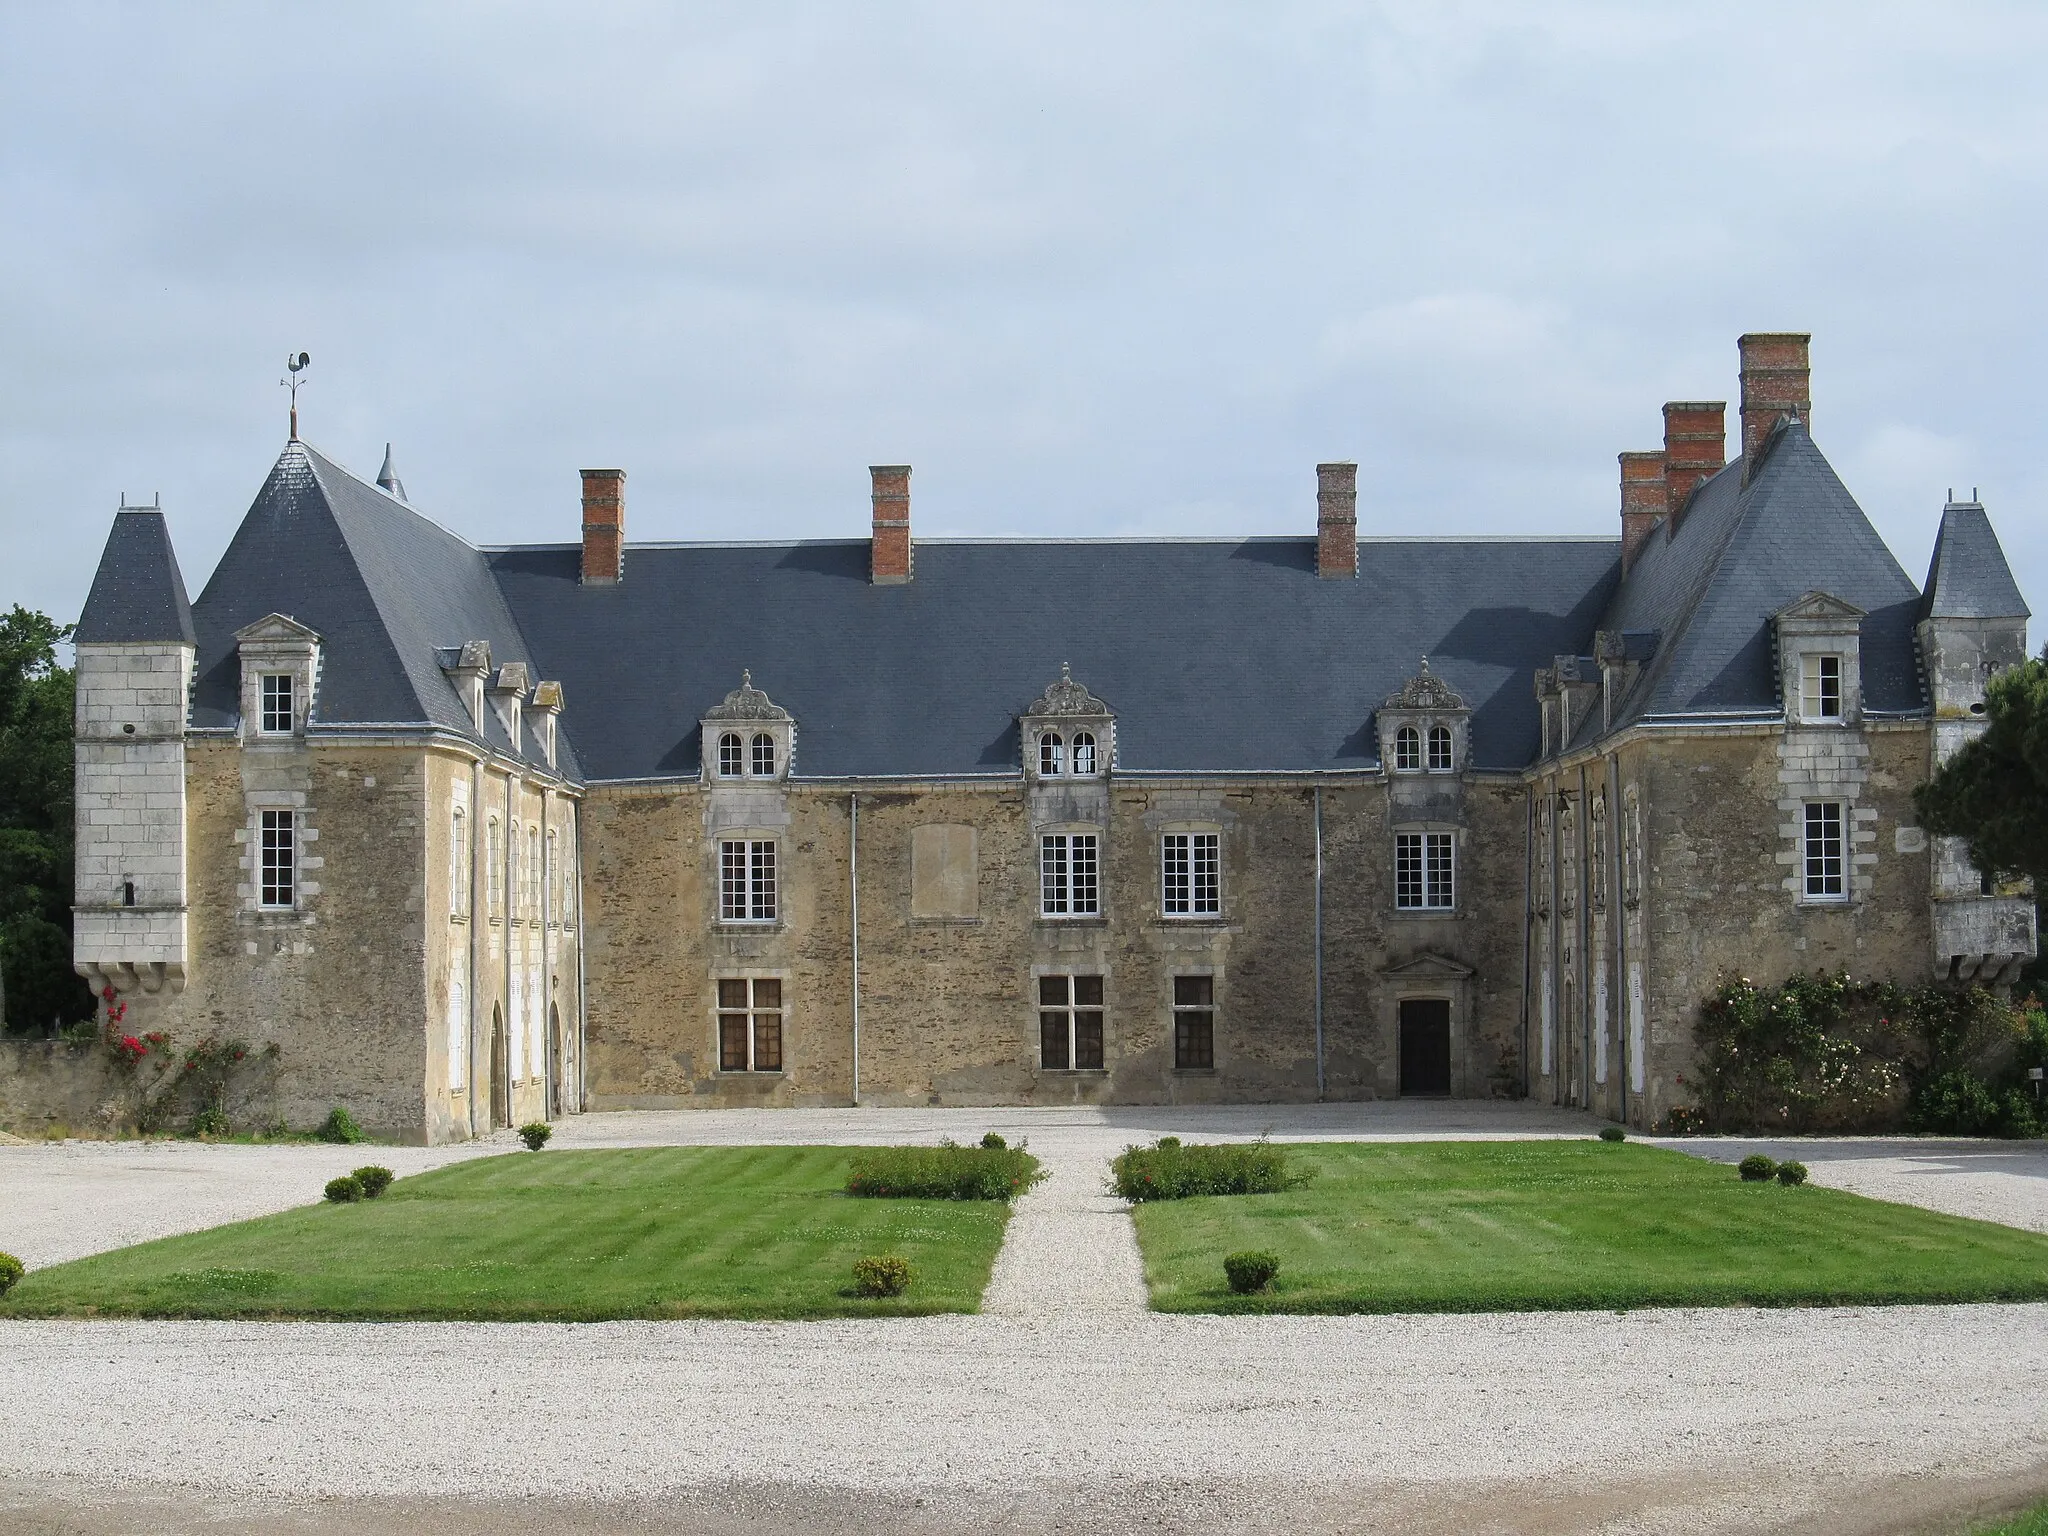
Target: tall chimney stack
column 604, row 526
column 889, row 555
column 1337, row 519
column 1642, row 502
column 1695, row 446
column 1775, row 382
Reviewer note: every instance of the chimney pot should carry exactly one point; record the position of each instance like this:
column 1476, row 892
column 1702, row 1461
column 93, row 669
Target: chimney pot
column 1695, row 447
column 1642, row 502
column 604, row 526
column 1337, row 519
column 1776, row 381
column 889, row 556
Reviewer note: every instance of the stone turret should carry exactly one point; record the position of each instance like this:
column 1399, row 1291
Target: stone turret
column 1973, row 625
column 135, row 649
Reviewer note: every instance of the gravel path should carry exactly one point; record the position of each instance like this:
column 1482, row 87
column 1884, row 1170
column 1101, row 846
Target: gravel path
column 1071, row 1251
column 2002, row 1181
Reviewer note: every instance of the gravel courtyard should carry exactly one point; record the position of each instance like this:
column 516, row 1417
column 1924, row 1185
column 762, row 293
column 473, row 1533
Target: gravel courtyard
column 1065, row 1406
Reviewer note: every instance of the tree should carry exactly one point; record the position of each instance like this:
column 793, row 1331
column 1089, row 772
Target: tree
column 37, row 983
column 1994, row 791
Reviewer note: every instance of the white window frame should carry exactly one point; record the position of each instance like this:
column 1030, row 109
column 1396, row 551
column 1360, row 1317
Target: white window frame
column 1069, row 874
column 277, row 860
column 269, row 714
column 732, row 755
column 1824, row 869
column 1426, row 871
column 748, row 880
column 1446, row 761
column 1407, row 749
column 1814, row 687
column 754, row 1011
column 761, row 756
column 1191, row 874
column 1082, row 758
column 1052, row 755
column 1069, row 1010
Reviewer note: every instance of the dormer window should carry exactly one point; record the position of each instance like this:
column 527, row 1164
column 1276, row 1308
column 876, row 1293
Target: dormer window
column 1439, row 749
column 764, row 756
column 1072, row 730
column 1084, row 755
column 1820, row 686
column 1060, row 757
column 748, row 736
column 1421, row 724
column 279, row 714
column 731, row 760
column 1407, row 750
column 1052, row 755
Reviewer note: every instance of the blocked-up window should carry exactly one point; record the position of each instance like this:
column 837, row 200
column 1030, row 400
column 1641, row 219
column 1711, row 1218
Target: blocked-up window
column 1070, row 1023
column 1820, row 686
column 1190, row 874
column 278, row 714
column 493, row 863
column 279, row 835
column 1068, row 883
column 1424, row 870
column 458, row 863
column 746, row 880
column 749, row 1024
column 1194, row 1023
column 458, row 1035
column 1823, row 853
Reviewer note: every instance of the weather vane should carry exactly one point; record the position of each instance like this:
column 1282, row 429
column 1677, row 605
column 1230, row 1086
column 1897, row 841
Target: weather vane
column 292, row 367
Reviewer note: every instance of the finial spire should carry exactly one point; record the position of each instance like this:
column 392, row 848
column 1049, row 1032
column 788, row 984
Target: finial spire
column 387, row 477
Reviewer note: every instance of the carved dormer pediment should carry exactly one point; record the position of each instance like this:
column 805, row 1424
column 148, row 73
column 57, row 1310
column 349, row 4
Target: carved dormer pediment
column 1425, row 691
column 280, row 648
column 1423, row 726
column 276, row 629
column 1067, row 732
column 747, row 736
column 1821, row 608
column 1066, row 699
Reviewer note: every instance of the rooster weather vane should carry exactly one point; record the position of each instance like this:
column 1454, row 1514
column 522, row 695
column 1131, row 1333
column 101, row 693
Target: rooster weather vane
column 292, row 381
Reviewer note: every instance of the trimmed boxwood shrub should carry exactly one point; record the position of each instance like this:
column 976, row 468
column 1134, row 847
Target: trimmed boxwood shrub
column 345, row 1190
column 1250, row 1272
column 1756, row 1169
column 374, row 1180
column 11, row 1270
column 882, row 1274
column 1168, row 1170
column 1613, row 1133
column 993, row 1141
column 340, row 1127
column 948, row 1171
column 535, row 1134
column 1791, row 1173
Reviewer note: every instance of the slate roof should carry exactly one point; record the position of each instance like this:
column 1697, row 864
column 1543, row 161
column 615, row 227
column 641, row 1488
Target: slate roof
column 1741, row 553
column 1215, row 654
column 386, row 589
column 1968, row 577
column 138, row 593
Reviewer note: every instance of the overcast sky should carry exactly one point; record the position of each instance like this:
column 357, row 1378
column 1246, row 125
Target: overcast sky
column 1092, row 269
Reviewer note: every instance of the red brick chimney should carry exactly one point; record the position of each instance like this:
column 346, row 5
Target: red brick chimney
column 1337, row 519
column 1775, row 383
column 1642, row 502
column 604, row 526
column 1695, row 445
column 889, row 557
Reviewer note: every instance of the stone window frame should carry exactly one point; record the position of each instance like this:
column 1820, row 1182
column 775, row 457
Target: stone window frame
column 1070, row 835
column 1841, row 876
column 276, row 646
column 1050, row 727
column 1427, row 834
column 752, row 840
column 1632, row 861
column 309, row 862
column 461, row 857
column 1060, row 755
column 1190, row 830
column 1596, row 854
column 737, row 723
column 270, row 819
column 1072, row 971
column 1567, row 856
column 1413, row 720
column 1176, row 1009
column 457, row 1023
column 494, row 863
column 1819, row 624
column 268, row 712
column 751, row 976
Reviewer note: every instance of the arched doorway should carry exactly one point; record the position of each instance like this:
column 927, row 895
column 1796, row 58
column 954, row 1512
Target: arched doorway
column 558, row 1070
column 501, row 1070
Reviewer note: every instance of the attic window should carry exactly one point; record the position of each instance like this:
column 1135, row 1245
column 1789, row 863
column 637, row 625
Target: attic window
column 278, row 714
column 1439, row 749
column 1407, row 750
column 1052, row 755
column 1820, row 686
column 731, row 761
column 764, row 756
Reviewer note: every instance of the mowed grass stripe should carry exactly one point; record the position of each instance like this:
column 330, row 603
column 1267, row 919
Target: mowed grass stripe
column 1531, row 1226
column 737, row 1232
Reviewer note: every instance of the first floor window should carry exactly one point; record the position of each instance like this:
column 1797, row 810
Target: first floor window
column 1194, row 1023
column 746, row 880
column 1067, row 875
column 749, row 1024
column 1070, row 1023
column 280, row 852
column 277, row 704
column 1190, row 868
column 1423, row 869
column 1823, row 851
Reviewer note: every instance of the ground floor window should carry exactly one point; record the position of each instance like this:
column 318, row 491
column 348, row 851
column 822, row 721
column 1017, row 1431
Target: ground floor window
column 749, row 1024
column 1194, row 1023
column 1823, row 851
column 1070, row 1023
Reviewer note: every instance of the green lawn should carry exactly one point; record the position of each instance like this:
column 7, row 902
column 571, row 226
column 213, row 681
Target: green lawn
column 1537, row 1225
column 750, row 1232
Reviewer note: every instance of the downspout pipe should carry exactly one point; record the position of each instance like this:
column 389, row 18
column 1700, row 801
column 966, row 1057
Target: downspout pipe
column 853, row 878
column 1583, row 823
column 475, row 915
column 1528, row 924
column 1322, row 1084
column 582, row 970
column 1617, row 914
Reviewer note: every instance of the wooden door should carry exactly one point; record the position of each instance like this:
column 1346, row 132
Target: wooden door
column 1426, row 1047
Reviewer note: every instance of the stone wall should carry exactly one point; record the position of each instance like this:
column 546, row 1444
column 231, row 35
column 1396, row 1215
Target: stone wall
column 50, row 1088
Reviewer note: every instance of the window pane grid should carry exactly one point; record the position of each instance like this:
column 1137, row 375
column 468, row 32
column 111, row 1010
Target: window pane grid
column 1190, row 867
column 749, row 1024
column 1820, row 687
column 764, row 756
column 1070, row 1023
column 1424, row 871
column 746, row 880
column 1068, row 883
column 1407, row 748
column 1439, row 747
column 730, row 762
column 277, row 703
column 280, row 853
column 1823, row 851
column 1194, row 1023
